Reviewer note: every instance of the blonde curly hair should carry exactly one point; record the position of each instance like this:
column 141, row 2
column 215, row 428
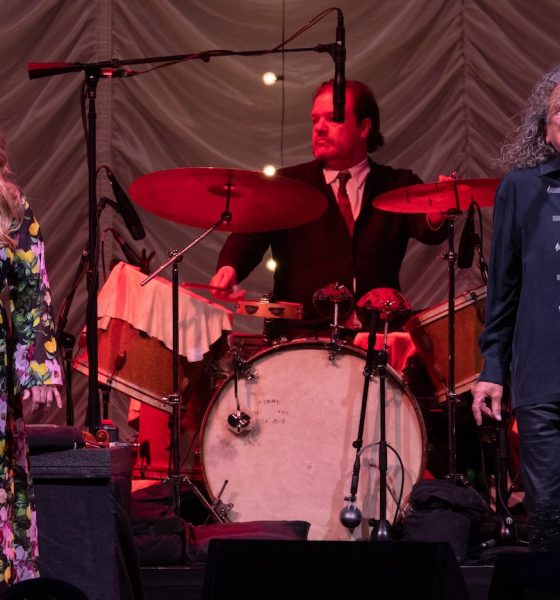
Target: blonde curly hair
column 11, row 200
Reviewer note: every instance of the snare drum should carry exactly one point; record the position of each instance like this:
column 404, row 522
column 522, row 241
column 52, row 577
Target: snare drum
column 296, row 461
column 429, row 331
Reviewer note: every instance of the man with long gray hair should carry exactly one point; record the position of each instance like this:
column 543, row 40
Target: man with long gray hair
column 521, row 339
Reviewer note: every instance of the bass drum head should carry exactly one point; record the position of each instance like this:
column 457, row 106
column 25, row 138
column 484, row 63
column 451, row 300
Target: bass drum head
column 296, row 461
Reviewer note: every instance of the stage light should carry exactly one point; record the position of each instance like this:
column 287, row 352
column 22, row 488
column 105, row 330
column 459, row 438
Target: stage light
column 269, row 170
column 271, row 264
column 270, row 78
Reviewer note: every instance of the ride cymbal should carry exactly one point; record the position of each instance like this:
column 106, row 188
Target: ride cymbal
column 438, row 196
column 198, row 196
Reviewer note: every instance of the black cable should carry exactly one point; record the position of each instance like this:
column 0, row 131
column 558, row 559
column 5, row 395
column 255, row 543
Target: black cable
column 283, row 88
column 398, row 503
column 401, row 492
column 208, row 54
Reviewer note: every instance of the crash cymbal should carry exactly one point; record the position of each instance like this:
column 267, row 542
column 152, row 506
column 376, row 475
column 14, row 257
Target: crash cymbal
column 438, row 196
column 197, row 197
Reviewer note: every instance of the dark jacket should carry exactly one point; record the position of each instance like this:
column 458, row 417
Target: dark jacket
column 523, row 304
column 311, row 256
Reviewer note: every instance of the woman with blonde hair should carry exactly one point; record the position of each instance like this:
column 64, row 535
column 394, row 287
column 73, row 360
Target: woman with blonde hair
column 29, row 370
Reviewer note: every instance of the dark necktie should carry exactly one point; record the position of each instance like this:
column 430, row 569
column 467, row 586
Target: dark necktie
column 344, row 201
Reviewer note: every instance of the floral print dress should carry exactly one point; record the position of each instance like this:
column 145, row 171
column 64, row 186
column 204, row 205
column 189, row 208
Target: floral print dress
column 27, row 359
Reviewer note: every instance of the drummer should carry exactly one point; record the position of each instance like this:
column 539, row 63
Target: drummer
column 353, row 243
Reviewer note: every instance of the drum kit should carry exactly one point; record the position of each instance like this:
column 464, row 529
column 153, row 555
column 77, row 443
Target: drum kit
column 278, row 437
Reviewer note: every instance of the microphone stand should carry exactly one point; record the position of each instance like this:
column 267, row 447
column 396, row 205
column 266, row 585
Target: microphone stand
column 93, row 72
column 93, row 417
column 351, row 516
column 63, row 338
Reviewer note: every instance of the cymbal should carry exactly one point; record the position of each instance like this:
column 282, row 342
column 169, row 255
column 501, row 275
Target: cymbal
column 438, row 196
column 198, row 196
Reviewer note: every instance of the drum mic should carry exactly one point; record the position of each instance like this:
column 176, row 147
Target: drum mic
column 465, row 254
column 129, row 215
column 350, row 516
column 131, row 256
column 239, row 422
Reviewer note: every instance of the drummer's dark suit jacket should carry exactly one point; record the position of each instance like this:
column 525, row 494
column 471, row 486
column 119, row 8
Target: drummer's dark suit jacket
column 311, row 256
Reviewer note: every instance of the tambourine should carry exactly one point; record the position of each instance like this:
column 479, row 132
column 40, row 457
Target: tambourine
column 269, row 310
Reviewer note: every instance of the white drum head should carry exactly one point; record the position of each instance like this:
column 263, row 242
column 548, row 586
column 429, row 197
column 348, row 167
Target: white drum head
column 296, row 462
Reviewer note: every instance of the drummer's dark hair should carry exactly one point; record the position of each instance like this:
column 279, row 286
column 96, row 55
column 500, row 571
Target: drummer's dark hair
column 365, row 107
column 526, row 146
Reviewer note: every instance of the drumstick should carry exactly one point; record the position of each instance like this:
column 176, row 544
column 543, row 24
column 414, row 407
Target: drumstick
column 202, row 286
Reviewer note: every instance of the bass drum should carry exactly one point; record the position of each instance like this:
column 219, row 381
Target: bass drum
column 296, row 461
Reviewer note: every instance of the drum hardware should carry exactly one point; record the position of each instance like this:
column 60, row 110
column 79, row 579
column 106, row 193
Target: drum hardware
column 450, row 198
column 383, row 304
column 334, row 300
column 218, row 506
column 174, row 399
column 240, row 422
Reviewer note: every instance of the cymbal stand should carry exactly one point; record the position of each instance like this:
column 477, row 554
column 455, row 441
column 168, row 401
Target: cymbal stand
column 452, row 214
column 174, row 398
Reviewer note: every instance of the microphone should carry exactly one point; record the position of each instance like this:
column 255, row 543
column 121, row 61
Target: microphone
column 350, row 516
column 240, row 422
column 129, row 215
column 131, row 256
column 466, row 245
column 339, row 82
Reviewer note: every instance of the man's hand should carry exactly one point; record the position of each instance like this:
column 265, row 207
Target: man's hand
column 483, row 390
column 42, row 397
column 226, row 280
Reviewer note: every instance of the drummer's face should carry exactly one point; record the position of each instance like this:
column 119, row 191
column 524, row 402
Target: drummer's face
column 553, row 119
column 338, row 145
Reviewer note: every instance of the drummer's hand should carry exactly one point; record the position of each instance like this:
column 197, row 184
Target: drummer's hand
column 442, row 177
column 226, row 278
column 42, row 396
column 483, row 390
